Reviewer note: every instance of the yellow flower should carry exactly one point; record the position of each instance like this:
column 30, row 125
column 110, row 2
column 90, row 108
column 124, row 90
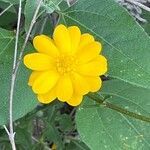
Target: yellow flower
column 65, row 67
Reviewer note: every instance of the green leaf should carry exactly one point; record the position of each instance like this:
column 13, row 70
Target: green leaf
column 8, row 20
column 49, row 6
column 24, row 99
column 146, row 26
column 43, row 26
column 23, row 138
column 65, row 122
column 29, row 11
column 127, row 96
column 126, row 45
column 101, row 127
column 76, row 145
column 51, row 133
column 4, row 5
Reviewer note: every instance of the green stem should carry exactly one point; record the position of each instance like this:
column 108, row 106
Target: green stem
column 120, row 110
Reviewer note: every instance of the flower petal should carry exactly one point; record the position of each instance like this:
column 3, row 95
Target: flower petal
column 34, row 75
column 48, row 97
column 95, row 83
column 85, row 40
column 38, row 62
column 44, row 44
column 45, row 82
column 75, row 100
column 89, row 52
column 62, row 38
column 75, row 35
column 64, row 89
column 80, row 85
column 96, row 67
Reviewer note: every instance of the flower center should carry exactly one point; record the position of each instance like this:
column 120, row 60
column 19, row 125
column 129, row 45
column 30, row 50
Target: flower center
column 66, row 64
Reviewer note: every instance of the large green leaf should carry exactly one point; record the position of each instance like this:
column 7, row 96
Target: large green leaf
column 127, row 96
column 115, row 130
column 103, row 128
column 126, row 45
column 24, row 99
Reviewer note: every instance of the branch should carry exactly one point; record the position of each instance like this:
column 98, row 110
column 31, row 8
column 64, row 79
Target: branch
column 6, row 9
column 68, row 2
column 16, row 64
column 11, row 132
column 27, row 37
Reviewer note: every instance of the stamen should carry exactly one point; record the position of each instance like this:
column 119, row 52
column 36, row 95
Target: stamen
column 66, row 64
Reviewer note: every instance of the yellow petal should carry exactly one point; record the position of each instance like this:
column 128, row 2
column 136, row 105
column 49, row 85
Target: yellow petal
column 96, row 67
column 75, row 100
column 89, row 52
column 38, row 62
column 95, row 83
column 80, row 85
column 48, row 97
column 85, row 40
column 34, row 75
column 62, row 38
column 64, row 89
column 45, row 82
column 75, row 35
column 44, row 44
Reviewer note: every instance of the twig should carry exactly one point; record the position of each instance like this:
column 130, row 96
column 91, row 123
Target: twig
column 34, row 139
column 6, row 9
column 17, row 36
column 11, row 132
column 68, row 2
column 15, row 69
column 7, row 131
column 27, row 37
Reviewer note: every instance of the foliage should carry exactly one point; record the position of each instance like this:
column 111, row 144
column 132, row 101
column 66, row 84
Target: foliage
column 115, row 118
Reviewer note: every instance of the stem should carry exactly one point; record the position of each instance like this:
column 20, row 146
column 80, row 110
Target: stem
column 16, row 64
column 11, row 132
column 6, row 9
column 68, row 2
column 27, row 37
column 120, row 110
